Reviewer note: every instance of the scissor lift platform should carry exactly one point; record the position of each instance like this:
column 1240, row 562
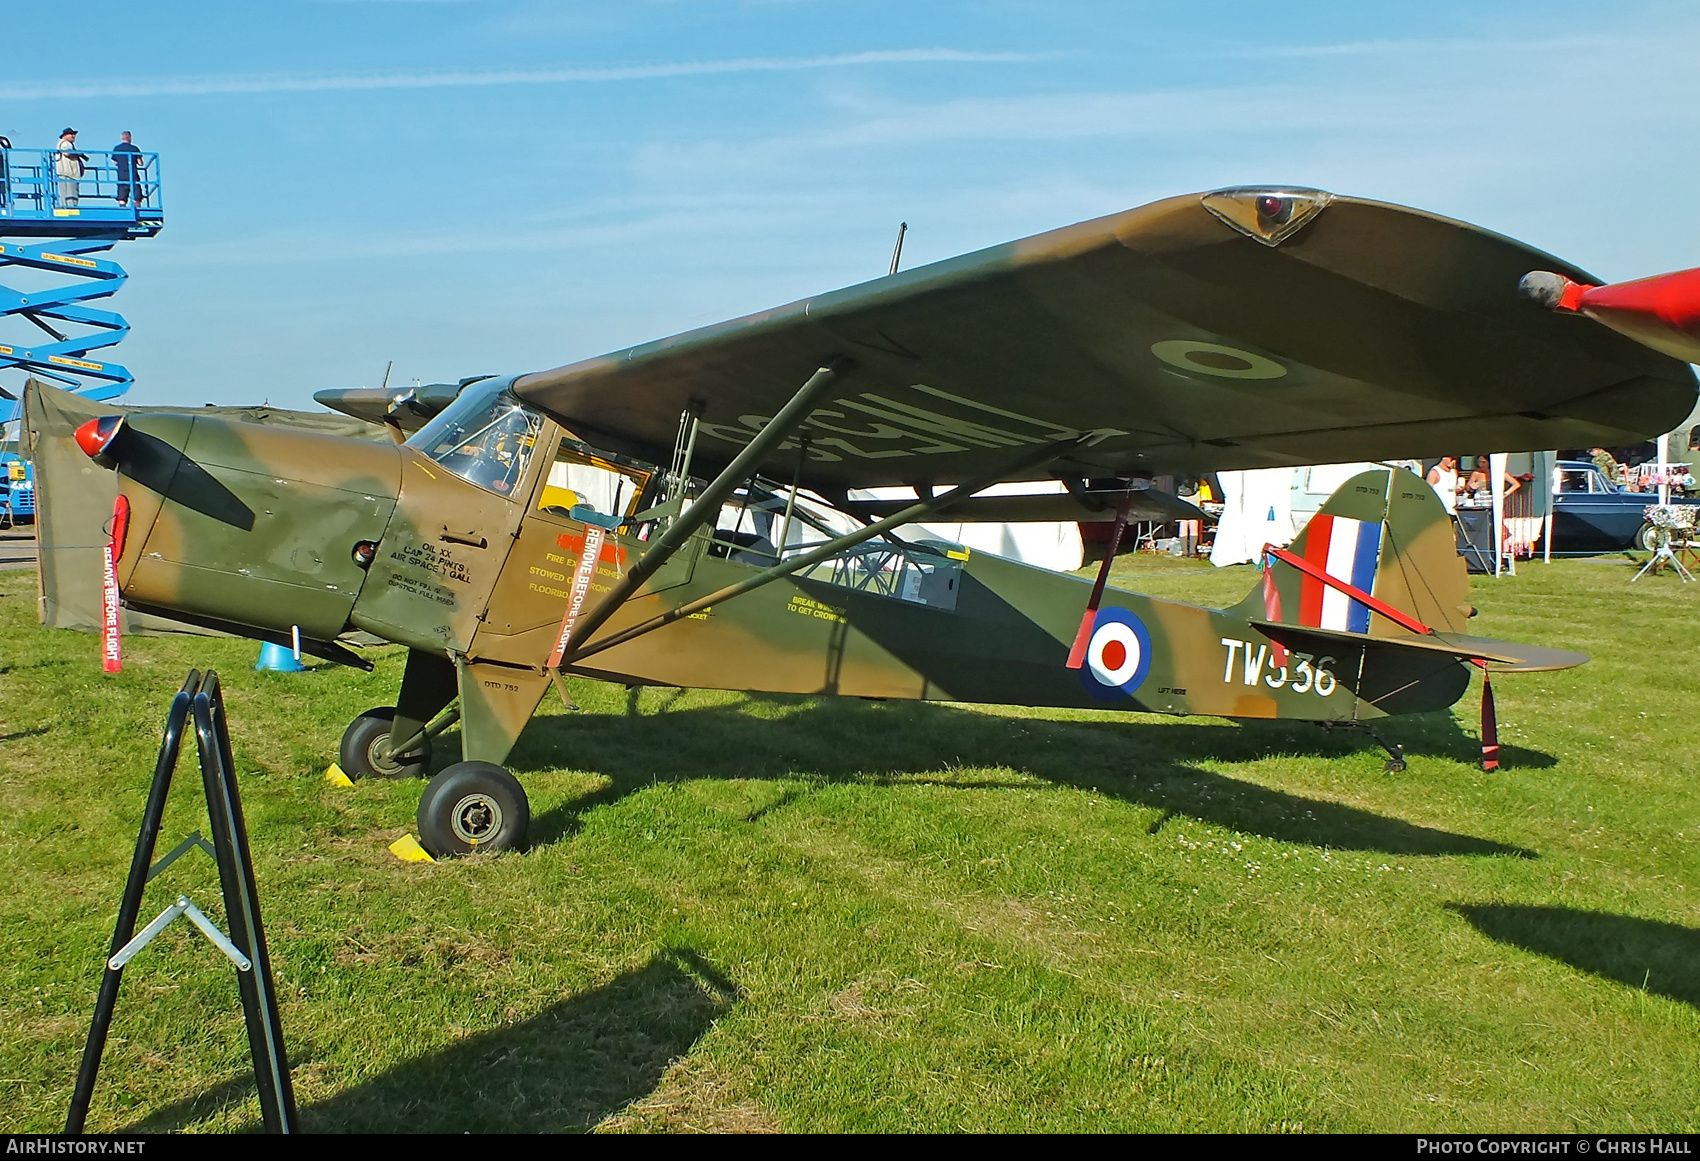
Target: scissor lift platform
column 35, row 202
column 53, row 223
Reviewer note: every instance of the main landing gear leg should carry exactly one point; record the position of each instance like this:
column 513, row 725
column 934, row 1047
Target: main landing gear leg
column 476, row 805
column 368, row 745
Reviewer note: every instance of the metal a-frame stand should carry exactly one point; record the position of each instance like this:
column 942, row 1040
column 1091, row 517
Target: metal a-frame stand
column 202, row 700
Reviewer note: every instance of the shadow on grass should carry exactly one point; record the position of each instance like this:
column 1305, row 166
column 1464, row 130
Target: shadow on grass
column 198, row 1107
column 46, row 663
column 1663, row 958
column 563, row 1070
column 839, row 740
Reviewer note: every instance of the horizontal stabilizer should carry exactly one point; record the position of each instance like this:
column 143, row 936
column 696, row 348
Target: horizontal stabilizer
column 1148, row 504
column 1505, row 656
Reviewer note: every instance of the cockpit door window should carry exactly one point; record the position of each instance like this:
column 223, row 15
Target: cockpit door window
column 581, row 479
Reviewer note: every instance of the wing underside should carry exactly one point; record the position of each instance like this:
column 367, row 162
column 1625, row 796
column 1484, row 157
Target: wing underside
column 1164, row 338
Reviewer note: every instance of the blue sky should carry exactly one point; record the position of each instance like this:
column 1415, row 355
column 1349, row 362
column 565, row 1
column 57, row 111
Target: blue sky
column 506, row 186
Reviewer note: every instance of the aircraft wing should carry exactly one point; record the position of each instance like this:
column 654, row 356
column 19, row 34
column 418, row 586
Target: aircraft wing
column 1193, row 334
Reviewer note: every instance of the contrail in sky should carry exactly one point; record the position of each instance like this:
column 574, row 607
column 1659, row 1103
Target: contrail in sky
column 306, row 83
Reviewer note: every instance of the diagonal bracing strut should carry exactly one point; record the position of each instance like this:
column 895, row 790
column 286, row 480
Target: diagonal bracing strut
column 831, row 548
column 706, row 507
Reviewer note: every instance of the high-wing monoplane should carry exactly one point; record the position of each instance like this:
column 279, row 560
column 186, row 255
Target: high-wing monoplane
column 568, row 521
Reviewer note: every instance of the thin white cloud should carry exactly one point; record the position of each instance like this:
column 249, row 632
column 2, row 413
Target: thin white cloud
column 623, row 226
column 1357, row 48
column 1524, row 107
column 1429, row 49
column 59, row 90
column 1176, row 120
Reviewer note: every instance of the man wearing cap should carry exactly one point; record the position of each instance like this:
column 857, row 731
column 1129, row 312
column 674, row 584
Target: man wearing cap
column 69, row 166
column 128, row 159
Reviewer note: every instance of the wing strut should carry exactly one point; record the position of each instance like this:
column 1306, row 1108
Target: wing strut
column 705, row 508
column 831, row 548
column 1403, row 620
column 1077, row 654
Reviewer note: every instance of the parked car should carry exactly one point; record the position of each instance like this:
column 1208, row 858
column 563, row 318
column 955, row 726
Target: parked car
column 1593, row 514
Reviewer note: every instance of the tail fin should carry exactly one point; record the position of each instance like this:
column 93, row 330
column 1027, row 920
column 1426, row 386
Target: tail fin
column 1384, row 532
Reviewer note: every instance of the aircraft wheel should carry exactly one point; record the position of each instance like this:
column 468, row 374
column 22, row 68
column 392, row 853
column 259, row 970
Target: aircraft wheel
column 1395, row 766
column 362, row 757
column 473, row 806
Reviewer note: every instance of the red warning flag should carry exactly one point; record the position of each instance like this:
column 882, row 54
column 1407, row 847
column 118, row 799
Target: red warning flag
column 582, row 575
column 111, row 630
column 1490, row 724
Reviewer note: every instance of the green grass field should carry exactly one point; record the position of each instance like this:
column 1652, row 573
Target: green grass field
column 749, row 912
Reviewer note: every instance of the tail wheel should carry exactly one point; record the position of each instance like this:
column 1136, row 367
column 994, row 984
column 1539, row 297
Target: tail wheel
column 365, row 749
column 470, row 807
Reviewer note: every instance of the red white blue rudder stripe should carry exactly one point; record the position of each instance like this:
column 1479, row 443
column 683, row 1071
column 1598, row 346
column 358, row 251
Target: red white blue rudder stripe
column 1348, row 550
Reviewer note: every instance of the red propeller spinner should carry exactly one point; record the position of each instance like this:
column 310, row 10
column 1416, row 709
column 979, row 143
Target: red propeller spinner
column 95, row 436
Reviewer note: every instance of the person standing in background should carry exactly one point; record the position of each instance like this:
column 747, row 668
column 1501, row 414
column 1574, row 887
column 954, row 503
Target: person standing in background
column 1607, row 463
column 1443, row 478
column 68, row 165
column 1481, row 480
column 128, row 159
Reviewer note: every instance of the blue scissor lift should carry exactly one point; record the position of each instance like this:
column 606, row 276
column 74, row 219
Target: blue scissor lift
column 53, row 223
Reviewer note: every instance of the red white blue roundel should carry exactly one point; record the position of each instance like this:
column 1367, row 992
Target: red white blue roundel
column 1118, row 655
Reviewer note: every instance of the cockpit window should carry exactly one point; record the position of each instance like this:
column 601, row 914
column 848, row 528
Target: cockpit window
column 485, row 437
column 580, row 479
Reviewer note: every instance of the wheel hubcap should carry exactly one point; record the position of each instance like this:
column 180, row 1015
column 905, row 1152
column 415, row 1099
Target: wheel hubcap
column 378, row 756
column 476, row 819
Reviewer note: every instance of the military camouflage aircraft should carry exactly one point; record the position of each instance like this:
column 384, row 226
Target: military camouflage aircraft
column 565, row 522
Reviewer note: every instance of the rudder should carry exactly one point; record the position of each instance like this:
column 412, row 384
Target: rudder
column 1384, row 532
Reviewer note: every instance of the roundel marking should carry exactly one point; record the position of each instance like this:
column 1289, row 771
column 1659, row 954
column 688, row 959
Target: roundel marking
column 1118, row 655
column 1215, row 359
column 1114, row 653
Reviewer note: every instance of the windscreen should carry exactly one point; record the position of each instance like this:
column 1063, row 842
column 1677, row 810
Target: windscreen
column 485, row 437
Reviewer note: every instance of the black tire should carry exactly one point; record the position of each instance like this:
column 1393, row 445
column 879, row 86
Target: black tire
column 1647, row 540
column 359, row 757
column 470, row 807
